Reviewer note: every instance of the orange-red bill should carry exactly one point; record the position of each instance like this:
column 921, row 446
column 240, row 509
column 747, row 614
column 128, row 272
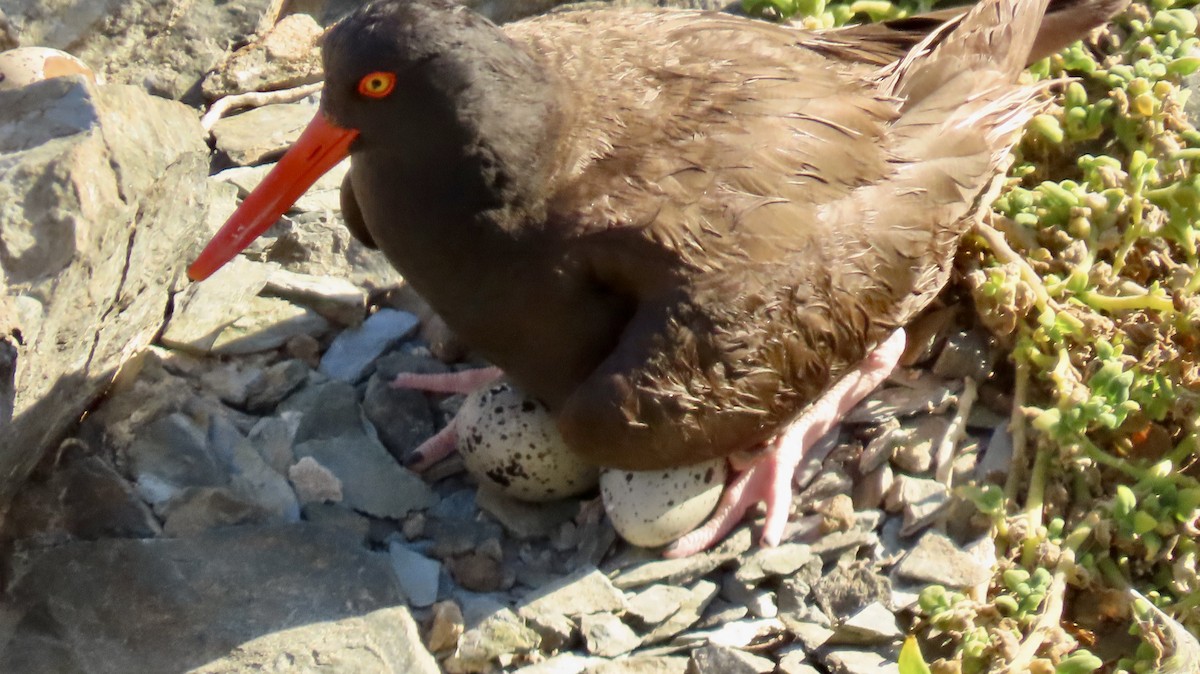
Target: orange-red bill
column 322, row 145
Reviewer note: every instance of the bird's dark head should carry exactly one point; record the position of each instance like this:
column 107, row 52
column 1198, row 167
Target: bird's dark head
column 425, row 89
column 404, row 73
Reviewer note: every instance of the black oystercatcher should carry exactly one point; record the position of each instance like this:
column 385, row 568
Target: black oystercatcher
column 689, row 234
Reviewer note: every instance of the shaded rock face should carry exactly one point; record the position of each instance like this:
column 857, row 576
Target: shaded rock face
column 164, row 46
column 190, row 612
column 101, row 189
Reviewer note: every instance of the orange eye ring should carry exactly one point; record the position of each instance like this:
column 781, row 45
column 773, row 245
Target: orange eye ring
column 377, row 84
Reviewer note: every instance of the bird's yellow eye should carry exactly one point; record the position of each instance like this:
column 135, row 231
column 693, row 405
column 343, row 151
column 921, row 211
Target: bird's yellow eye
column 377, row 85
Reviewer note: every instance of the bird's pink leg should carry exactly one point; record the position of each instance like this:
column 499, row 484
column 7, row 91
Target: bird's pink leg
column 449, row 382
column 769, row 479
column 437, row 447
column 442, row 444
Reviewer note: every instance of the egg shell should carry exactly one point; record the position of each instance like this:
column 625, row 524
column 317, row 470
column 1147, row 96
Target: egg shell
column 26, row 65
column 510, row 440
column 654, row 507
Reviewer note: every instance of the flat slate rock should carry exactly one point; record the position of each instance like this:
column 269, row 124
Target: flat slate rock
column 263, row 133
column 197, row 599
column 372, row 481
column 936, row 559
column 354, row 350
column 382, row 642
column 583, row 592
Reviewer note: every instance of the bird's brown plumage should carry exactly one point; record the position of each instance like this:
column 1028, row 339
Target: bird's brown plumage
column 678, row 228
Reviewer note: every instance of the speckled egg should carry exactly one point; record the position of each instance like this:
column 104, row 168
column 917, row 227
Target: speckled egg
column 654, row 507
column 26, row 65
column 510, row 440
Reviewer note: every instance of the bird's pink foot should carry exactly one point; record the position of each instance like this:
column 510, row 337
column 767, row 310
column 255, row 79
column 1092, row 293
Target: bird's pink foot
column 442, row 444
column 436, row 448
column 769, row 479
column 465, row 381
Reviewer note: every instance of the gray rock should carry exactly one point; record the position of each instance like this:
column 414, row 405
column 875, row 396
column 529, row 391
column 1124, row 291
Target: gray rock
column 745, row 594
column 596, row 538
column 334, row 298
column 849, row 589
column 914, row 443
column 276, row 383
column 261, row 134
column 196, row 510
column 792, row 660
column 813, row 464
column 927, row 394
column 8, row 376
column 222, row 202
column 721, row 612
column 150, row 43
column 337, row 517
column 826, row 484
column 656, row 603
column 967, row 354
column 198, row 599
column 251, row 476
column 457, row 505
column 687, row 569
column 690, row 610
column 583, row 592
column 287, row 56
column 738, row 633
column 416, row 574
column 381, row 642
column 82, row 170
column 851, row 661
column 169, row 455
column 353, row 350
column 761, row 604
column 921, row 500
column 327, row 410
column 372, row 481
column 266, row 323
column 714, row 659
column 782, row 560
column 481, row 572
column 229, row 381
column 642, row 664
column 501, row 634
column 837, row 543
column 563, row 663
column 446, row 625
column 605, row 635
column 811, row 636
column 793, row 591
column 453, row 537
column 879, row 449
column 272, row 437
column 555, row 629
column 402, row 418
column 526, row 520
column 83, row 498
column 224, row 315
column 936, row 559
column 869, row 491
column 874, row 624
column 993, row 467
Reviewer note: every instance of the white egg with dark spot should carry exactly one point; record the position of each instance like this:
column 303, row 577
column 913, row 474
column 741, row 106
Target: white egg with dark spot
column 510, row 440
column 655, row 507
column 26, row 65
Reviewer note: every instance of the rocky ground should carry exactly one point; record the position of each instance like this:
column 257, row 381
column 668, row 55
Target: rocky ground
column 237, row 500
